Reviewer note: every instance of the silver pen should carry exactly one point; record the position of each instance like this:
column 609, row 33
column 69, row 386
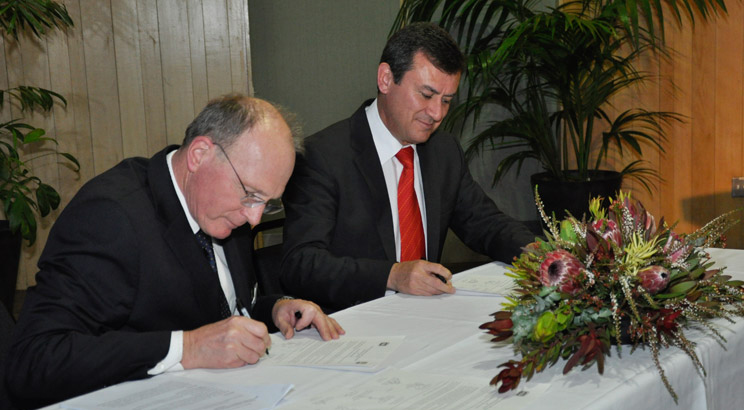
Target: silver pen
column 255, row 294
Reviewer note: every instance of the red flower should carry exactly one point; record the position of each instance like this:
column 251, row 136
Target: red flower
column 591, row 348
column 501, row 326
column 509, row 377
column 666, row 322
column 654, row 278
column 561, row 269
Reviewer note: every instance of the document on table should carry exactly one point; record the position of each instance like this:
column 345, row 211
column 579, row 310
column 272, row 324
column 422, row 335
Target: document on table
column 402, row 390
column 480, row 283
column 347, row 353
column 174, row 392
column 485, row 279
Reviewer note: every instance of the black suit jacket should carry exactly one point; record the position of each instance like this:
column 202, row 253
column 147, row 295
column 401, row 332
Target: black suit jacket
column 121, row 270
column 339, row 243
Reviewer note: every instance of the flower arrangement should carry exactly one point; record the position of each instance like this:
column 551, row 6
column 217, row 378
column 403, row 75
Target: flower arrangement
column 619, row 278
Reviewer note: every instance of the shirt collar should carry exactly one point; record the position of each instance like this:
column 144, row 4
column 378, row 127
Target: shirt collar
column 192, row 222
column 385, row 143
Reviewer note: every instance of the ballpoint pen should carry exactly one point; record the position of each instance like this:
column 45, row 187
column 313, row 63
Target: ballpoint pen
column 254, row 295
column 242, row 311
column 440, row 277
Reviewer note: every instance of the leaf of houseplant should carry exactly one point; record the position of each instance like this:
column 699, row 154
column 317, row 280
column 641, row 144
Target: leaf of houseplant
column 22, row 218
column 47, row 199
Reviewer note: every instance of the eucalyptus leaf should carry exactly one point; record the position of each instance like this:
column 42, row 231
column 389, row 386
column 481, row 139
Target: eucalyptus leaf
column 683, row 287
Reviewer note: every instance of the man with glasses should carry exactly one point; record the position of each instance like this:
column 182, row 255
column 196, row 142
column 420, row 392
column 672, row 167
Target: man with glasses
column 148, row 269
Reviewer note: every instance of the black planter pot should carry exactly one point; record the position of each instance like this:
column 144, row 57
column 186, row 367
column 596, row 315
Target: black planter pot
column 559, row 196
column 10, row 254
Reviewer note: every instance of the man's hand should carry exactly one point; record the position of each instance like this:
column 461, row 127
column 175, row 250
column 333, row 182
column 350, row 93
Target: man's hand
column 420, row 278
column 232, row 342
column 296, row 314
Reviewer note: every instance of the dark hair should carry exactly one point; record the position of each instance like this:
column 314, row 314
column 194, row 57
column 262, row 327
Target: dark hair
column 225, row 118
column 435, row 42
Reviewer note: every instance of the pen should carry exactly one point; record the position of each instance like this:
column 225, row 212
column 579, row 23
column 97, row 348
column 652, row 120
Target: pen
column 440, row 277
column 255, row 295
column 243, row 312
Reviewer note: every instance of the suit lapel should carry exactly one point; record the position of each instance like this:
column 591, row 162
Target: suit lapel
column 367, row 162
column 432, row 197
column 204, row 282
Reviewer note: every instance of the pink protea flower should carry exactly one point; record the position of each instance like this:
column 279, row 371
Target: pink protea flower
column 650, row 224
column 561, row 269
column 674, row 248
column 608, row 230
column 654, row 278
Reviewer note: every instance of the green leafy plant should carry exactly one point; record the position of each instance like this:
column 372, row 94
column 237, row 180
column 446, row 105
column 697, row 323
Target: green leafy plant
column 552, row 73
column 23, row 194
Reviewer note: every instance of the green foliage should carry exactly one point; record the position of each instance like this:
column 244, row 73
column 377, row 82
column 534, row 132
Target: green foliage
column 38, row 16
column 22, row 194
column 552, row 72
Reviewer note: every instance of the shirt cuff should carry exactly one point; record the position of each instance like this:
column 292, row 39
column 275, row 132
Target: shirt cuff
column 172, row 361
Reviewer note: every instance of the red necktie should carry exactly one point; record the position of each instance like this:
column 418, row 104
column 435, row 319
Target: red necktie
column 412, row 243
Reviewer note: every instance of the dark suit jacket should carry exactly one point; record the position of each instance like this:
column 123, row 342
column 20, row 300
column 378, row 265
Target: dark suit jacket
column 121, row 269
column 339, row 243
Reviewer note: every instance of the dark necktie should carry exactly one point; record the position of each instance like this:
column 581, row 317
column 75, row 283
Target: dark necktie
column 412, row 242
column 205, row 241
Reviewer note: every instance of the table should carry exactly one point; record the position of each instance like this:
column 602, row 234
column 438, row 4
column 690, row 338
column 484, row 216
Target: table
column 442, row 337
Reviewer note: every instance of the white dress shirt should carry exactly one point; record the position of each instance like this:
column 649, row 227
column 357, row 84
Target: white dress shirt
column 387, row 146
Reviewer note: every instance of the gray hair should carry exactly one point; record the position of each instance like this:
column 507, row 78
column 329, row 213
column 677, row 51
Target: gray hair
column 227, row 117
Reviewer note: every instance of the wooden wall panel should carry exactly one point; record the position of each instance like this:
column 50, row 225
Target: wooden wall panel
column 135, row 73
column 729, row 95
column 198, row 52
column 129, row 77
column 703, row 120
column 103, row 92
column 177, row 74
column 680, row 134
column 217, row 46
column 704, row 82
column 152, row 74
column 238, row 41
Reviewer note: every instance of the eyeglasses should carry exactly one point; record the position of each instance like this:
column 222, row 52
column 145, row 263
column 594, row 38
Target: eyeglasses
column 251, row 200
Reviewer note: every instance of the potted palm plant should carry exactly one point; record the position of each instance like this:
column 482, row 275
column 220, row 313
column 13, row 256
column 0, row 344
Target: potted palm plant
column 553, row 72
column 24, row 195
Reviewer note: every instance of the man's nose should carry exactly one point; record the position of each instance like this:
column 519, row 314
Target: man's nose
column 437, row 109
column 253, row 215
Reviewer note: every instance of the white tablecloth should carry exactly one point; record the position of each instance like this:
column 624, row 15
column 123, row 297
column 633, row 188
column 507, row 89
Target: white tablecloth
column 442, row 337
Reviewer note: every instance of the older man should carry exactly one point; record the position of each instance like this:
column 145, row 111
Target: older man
column 370, row 202
column 147, row 269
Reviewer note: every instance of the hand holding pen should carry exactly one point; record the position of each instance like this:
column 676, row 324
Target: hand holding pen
column 231, row 342
column 420, row 277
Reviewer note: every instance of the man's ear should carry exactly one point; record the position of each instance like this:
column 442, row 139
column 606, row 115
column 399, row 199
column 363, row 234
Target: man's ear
column 384, row 78
column 197, row 152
